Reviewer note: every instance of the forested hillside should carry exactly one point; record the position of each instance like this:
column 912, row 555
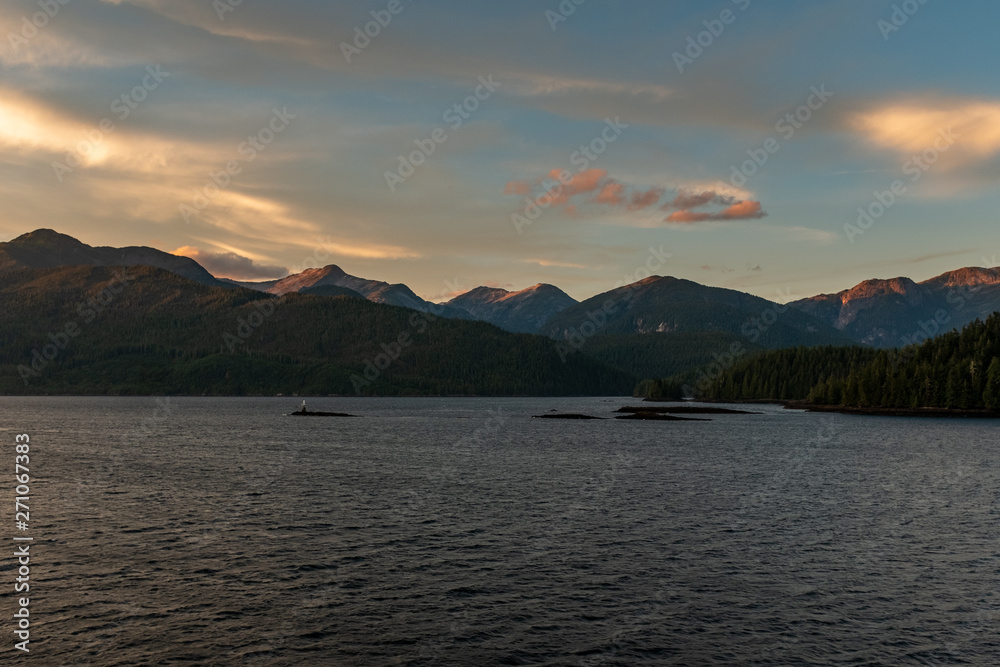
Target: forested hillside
column 659, row 354
column 102, row 330
column 957, row 370
column 788, row 374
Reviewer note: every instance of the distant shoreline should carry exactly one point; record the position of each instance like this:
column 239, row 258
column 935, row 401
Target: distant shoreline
column 953, row 413
column 893, row 412
column 875, row 412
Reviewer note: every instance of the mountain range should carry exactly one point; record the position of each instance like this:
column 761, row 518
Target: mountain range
column 899, row 311
column 332, row 280
column 142, row 330
column 653, row 328
column 526, row 311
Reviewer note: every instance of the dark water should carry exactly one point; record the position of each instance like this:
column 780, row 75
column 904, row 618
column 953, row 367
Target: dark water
column 462, row 532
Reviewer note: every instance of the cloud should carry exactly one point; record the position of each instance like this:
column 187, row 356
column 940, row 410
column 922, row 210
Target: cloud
column 144, row 175
column 744, row 210
column 558, row 191
column 687, row 200
column 518, row 188
column 612, row 194
column 581, row 183
column 915, row 126
column 231, row 265
column 594, row 189
column 642, row 200
column 554, row 264
column 616, row 194
column 28, row 125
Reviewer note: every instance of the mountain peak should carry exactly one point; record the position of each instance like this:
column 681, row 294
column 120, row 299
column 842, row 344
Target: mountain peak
column 334, row 270
column 666, row 305
column 330, row 270
column 483, row 290
column 46, row 237
column 313, row 280
column 487, row 294
column 967, row 277
column 655, row 280
column 541, row 288
column 525, row 311
column 890, row 312
column 879, row 287
column 46, row 248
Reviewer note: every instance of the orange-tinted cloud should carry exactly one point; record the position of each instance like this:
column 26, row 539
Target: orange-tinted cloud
column 744, row 210
column 688, row 216
column 594, row 188
column 230, row 265
column 554, row 187
column 642, row 200
column 736, row 209
column 519, row 188
column 583, row 183
column 612, row 194
column 915, row 126
column 686, row 199
column 587, row 181
column 960, row 137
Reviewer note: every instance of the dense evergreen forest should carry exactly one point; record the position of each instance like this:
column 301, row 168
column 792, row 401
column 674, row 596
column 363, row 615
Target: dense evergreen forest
column 956, row 370
column 782, row 375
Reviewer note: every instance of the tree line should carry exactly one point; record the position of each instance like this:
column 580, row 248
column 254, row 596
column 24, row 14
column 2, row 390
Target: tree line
column 955, row 370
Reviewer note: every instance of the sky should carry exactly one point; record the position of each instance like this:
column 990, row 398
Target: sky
column 780, row 148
